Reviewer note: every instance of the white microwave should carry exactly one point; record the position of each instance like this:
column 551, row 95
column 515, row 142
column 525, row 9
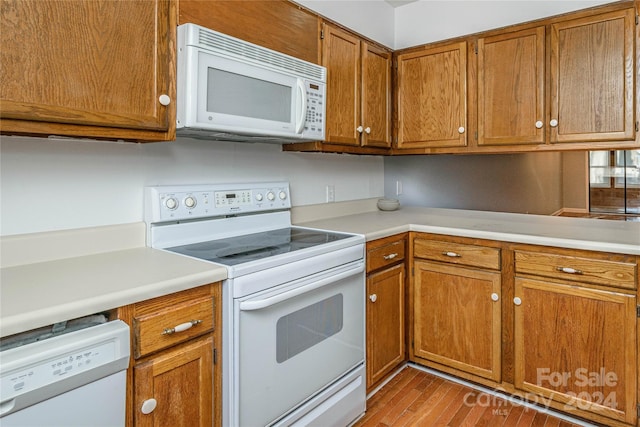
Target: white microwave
column 229, row 89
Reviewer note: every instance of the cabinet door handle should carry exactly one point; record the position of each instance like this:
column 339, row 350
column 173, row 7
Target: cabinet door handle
column 373, row 297
column 359, row 129
column 164, row 99
column 553, row 123
column 517, row 301
column 148, row 406
column 390, row 256
column 461, row 129
column 539, row 124
column 181, row 327
column 451, row 254
column 367, row 130
column 495, row 297
column 569, row 270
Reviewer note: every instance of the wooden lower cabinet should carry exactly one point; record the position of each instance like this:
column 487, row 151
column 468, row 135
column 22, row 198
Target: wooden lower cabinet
column 386, row 320
column 174, row 377
column 457, row 318
column 385, row 323
column 577, row 346
column 181, row 381
column 555, row 326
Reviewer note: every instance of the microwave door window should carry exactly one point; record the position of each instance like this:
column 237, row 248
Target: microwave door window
column 241, row 96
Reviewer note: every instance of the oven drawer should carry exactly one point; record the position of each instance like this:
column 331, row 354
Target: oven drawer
column 171, row 323
column 589, row 270
column 457, row 253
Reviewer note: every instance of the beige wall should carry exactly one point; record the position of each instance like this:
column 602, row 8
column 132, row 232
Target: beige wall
column 575, row 187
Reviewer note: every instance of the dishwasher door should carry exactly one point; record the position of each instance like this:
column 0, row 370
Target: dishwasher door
column 72, row 380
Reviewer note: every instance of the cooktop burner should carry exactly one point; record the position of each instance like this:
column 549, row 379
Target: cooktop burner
column 251, row 247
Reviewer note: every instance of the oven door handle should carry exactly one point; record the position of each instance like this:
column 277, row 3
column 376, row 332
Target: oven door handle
column 252, row 305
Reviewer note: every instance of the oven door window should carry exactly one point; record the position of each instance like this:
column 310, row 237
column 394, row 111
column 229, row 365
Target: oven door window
column 304, row 328
column 295, row 347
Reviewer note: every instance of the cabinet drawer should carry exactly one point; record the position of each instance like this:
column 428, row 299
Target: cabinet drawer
column 457, row 253
column 378, row 257
column 597, row 271
column 170, row 325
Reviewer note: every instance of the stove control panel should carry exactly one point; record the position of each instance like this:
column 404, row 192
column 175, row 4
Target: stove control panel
column 183, row 202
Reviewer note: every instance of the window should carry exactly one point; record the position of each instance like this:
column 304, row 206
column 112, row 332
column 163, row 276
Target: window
column 614, row 181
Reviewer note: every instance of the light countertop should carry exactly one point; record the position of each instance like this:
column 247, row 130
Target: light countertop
column 575, row 233
column 43, row 293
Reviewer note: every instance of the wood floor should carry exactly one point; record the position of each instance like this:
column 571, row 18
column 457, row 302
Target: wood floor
column 418, row 398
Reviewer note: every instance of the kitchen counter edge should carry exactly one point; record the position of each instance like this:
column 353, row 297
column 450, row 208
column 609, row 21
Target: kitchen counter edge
column 574, row 233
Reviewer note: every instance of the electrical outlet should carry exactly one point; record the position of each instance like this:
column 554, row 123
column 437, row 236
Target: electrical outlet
column 331, row 193
column 398, row 188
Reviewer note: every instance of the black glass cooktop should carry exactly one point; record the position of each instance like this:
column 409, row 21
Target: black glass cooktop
column 251, row 247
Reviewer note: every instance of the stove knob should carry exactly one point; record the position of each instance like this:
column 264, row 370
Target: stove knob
column 259, row 197
column 271, row 196
column 282, row 195
column 190, row 202
column 171, row 203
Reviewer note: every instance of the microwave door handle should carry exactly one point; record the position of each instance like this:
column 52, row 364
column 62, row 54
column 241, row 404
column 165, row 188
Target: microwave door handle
column 252, row 305
column 302, row 113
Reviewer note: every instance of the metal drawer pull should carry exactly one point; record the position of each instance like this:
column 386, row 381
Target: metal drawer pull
column 451, row 254
column 181, row 327
column 390, row 256
column 569, row 270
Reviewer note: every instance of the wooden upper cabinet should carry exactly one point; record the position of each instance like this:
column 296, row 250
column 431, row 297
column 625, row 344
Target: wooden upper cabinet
column 277, row 24
column 511, row 70
column 341, row 57
column 432, row 97
column 358, row 90
column 592, row 78
column 88, row 68
column 376, row 96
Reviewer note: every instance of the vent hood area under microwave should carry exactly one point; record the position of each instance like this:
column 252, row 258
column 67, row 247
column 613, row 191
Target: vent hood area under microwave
column 232, row 90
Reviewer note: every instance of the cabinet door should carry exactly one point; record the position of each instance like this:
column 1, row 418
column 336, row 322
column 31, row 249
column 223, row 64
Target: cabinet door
column 592, row 78
column 96, row 63
column 432, row 97
column 457, row 318
column 181, row 381
column 577, row 346
column 385, row 323
column 283, row 25
column 341, row 56
column 376, row 98
column 511, row 88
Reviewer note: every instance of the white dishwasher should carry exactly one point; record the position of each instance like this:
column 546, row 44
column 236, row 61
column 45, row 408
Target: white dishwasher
column 72, row 379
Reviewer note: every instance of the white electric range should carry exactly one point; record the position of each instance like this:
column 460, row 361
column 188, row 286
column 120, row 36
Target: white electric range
column 293, row 303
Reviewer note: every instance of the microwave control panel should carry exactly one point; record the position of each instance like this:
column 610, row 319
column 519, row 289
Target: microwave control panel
column 316, row 109
column 183, row 202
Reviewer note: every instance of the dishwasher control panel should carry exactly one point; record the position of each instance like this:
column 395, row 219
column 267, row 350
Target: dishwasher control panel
column 55, row 369
column 36, row 371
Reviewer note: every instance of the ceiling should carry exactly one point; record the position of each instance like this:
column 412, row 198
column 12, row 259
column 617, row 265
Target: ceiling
column 396, row 3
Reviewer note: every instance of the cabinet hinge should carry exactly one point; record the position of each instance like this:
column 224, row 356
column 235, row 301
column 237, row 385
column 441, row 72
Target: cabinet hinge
column 637, row 127
column 215, row 356
column 638, row 410
column 321, row 34
column 636, row 19
column 475, row 48
column 638, row 311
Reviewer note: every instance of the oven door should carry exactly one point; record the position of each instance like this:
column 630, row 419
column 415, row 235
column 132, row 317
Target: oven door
column 297, row 339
